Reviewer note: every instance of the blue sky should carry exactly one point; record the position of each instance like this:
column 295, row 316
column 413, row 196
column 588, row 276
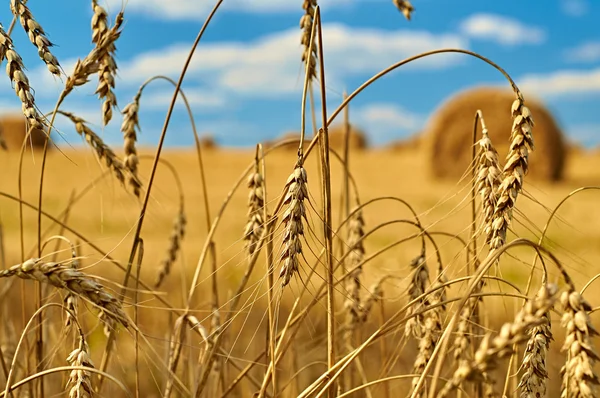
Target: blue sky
column 245, row 81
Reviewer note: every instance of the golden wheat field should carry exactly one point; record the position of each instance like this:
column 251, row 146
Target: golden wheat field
column 293, row 269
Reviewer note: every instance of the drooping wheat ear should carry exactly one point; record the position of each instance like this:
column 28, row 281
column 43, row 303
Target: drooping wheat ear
column 82, row 71
column 578, row 375
column 309, row 55
column 297, row 191
column 375, row 295
column 487, row 179
column 80, row 381
column 256, row 202
column 129, row 126
column 177, row 235
column 405, row 7
column 533, row 381
column 105, row 42
column 419, row 281
column 70, row 299
column 490, row 350
column 431, row 330
column 355, row 257
column 14, row 70
column 36, row 34
column 74, row 281
column 514, row 171
column 102, row 150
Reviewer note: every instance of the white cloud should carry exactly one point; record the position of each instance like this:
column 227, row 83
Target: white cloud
column 574, row 8
column 199, row 9
column 195, row 97
column 502, row 30
column 270, row 65
column 586, row 52
column 386, row 121
column 559, row 83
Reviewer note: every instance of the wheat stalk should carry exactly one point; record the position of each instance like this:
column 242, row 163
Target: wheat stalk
column 73, row 281
column 515, row 169
column 578, row 374
column 405, row 7
column 297, row 192
column 80, row 381
column 14, row 70
column 490, row 350
column 533, row 381
column 309, row 55
column 177, row 235
column 128, row 127
column 254, row 226
column 36, row 34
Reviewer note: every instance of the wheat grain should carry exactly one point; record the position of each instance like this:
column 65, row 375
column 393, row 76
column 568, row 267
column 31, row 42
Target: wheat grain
column 74, row 281
column 297, row 192
column 36, row 35
column 15, row 71
column 80, row 381
column 535, row 374
column 513, row 173
column 128, row 127
column 309, row 54
column 512, row 333
column 177, row 235
column 578, row 374
column 254, row 226
column 405, row 7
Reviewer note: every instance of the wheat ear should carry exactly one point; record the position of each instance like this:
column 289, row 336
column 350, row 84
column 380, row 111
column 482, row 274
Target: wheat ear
column 578, row 374
column 256, row 202
column 14, row 70
column 36, row 34
column 418, row 283
column 177, row 235
column 70, row 299
column 405, row 7
column 128, row 127
column 375, row 295
column 355, row 257
column 74, row 281
column 487, row 179
column 490, row 350
column 514, row 171
column 297, row 192
column 80, row 381
column 309, row 55
column 535, row 374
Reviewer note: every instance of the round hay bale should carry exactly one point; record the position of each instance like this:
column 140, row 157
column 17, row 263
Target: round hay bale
column 449, row 133
column 208, row 142
column 412, row 143
column 13, row 130
column 357, row 139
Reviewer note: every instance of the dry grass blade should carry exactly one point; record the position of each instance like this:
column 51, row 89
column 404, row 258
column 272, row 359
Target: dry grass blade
column 174, row 245
column 514, row 171
column 128, row 127
column 80, row 381
column 578, row 374
column 15, row 71
column 256, row 202
column 405, row 7
column 74, row 281
column 297, row 192
column 36, row 34
column 102, row 150
column 490, row 350
column 309, row 55
column 535, row 370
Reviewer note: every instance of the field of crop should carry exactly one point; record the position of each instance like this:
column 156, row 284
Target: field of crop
column 154, row 272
